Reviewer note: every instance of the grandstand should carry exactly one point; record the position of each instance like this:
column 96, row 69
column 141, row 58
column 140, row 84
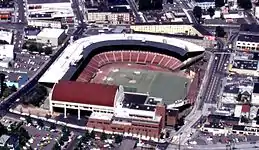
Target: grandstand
column 160, row 46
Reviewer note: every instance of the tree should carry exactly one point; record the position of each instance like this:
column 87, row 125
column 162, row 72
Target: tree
column 33, row 48
column 48, row 50
column 219, row 3
column 7, row 92
column 118, row 139
column 56, row 146
column 40, row 123
column 220, row 31
column 53, row 126
column 211, row 12
column 103, row 136
column 245, row 4
column 197, row 12
column 28, row 119
column 3, row 129
column 23, row 136
column 92, row 134
column 13, row 88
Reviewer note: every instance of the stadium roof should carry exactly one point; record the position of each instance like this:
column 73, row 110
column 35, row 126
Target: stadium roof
column 61, row 65
column 85, row 93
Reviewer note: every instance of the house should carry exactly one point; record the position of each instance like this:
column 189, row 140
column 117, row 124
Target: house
column 245, row 110
column 3, row 139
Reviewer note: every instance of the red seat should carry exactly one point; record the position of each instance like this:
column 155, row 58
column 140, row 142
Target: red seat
column 157, row 59
column 134, row 56
column 150, row 57
column 142, row 57
column 126, row 56
column 164, row 61
column 118, row 56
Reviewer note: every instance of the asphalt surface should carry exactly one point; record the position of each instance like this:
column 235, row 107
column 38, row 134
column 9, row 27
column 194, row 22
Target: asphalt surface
column 21, row 11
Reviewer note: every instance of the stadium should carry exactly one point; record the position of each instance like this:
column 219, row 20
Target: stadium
column 131, row 83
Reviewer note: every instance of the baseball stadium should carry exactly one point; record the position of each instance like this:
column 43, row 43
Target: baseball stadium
column 124, row 76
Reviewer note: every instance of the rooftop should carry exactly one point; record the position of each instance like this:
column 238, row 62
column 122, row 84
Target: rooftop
column 249, row 28
column 248, row 38
column 50, row 32
column 245, row 108
column 47, row 1
column 102, row 116
column 6, row 36
column 245, row 64
column 4, row 138
column 85, row 93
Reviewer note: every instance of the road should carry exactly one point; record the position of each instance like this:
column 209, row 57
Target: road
column 240, row 146
column 250, row 17
column 134, row 8
column 21, row 12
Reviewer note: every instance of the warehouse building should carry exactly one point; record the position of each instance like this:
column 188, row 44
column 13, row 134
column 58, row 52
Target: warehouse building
column 54, row 37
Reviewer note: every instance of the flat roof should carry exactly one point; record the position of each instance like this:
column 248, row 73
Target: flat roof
column 6, row 36
column 51, row 32
column 248, row 38
column 47, row 1
column 246, row 64
column 249, row 28
column 84, row 93
column 62, row 64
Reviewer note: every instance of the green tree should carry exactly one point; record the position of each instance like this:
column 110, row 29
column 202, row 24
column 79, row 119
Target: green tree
column 118, row 139
column 103, row 136
column 40, row 123
column 13, row 88
column 7, row 92
column 33, row 48
column 53, row 126
column 56, row 146
column 197, row 12
column 92, row 134
column 211, row 12
column 48, row 50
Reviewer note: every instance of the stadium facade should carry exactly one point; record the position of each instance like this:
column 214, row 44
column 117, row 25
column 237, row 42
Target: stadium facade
column 112, row 108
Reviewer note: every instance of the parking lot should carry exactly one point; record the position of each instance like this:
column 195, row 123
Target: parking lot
column 206, row 139
column 42, row 139
column 29, row 63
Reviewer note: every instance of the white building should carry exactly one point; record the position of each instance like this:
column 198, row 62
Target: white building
column 6, row 36
column 49, row 10
column 204, row 4
column 111, row 17
column 51, row 36
column 44, row 23
column 6, row 55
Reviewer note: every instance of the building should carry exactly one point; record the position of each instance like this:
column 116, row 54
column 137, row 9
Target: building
column 51, row 36
column 49, row 10
column 247, row 42
column 245, row 111
column 109, row 16
column 6, row 55
column 204, row 4
column 3, row 140
column 173, row 29
column 45, row 23
column 6, row 36
column 113, row 110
